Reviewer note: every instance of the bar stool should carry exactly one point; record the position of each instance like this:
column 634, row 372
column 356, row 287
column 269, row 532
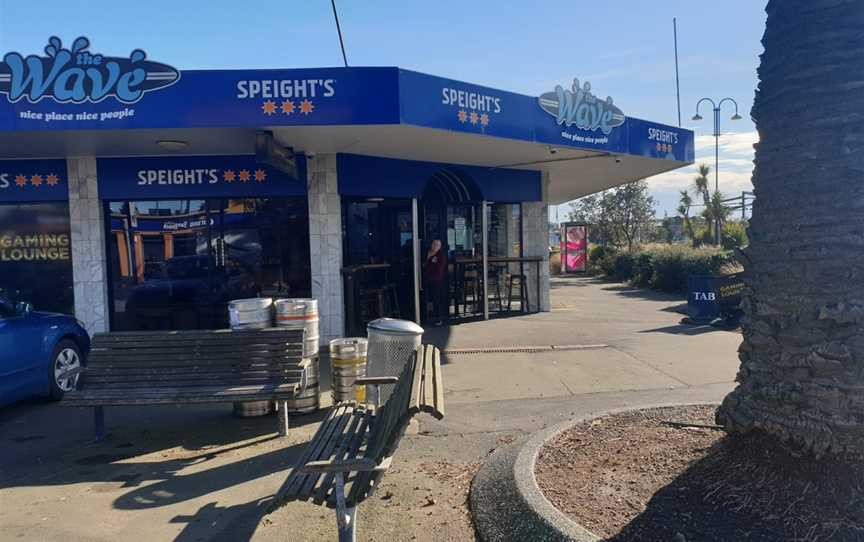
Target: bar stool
column 520, row 281
column 471, row 283
column 493, row 287
column 388, row 301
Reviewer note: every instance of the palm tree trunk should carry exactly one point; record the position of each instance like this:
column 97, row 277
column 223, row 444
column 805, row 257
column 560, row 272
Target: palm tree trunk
column 802, row 359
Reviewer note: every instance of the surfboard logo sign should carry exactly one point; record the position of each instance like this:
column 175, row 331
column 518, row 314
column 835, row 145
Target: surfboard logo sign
column 578, row 106
column 78, row 76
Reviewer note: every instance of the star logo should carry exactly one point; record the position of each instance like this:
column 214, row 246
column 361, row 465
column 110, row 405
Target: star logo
column 228, row 176
column 244, row 175
column 21, row 181
column 306, row 107
column 484, row 119
column 260, row 175
column 463, row 116
column 52, row 180
column 268, row 107
column 36, row 180
column 474, row 118
column 287, row 107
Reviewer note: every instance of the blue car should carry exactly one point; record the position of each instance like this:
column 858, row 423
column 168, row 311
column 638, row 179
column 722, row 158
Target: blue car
column 38, row 351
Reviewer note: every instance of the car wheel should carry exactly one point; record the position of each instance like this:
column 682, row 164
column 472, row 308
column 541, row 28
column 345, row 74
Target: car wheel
column 66, row 357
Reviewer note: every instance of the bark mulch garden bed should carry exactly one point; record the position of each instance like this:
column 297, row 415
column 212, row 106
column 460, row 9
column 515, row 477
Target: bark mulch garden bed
column 630, row 476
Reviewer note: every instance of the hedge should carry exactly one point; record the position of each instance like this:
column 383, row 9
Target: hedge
column 665, row 267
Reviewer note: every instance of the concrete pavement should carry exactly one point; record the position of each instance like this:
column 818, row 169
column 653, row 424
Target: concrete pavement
column 197, row 473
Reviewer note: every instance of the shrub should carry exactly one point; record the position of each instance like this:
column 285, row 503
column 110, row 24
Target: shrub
column 734, row 235
column 643, row 269
column 704, row 237
column 672, row 265
column 596, row 255
column 607, row 263
column 622, row 266
column 555, row 262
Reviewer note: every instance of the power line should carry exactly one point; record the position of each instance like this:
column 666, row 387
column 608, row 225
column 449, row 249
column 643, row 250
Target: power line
column 339, row 31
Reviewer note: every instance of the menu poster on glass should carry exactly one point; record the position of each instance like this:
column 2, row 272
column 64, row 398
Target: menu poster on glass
column 574, row 248
column 36, row 256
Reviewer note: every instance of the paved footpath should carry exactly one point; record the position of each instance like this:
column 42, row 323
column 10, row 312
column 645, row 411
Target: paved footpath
column 197, row 473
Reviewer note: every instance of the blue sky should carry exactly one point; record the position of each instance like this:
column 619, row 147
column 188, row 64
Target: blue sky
column 624, row 47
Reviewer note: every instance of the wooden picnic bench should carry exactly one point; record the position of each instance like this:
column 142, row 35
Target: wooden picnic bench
column 184, row 367
column 353, row 448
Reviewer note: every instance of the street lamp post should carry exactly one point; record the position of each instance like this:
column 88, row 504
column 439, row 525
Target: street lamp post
column 736, row 116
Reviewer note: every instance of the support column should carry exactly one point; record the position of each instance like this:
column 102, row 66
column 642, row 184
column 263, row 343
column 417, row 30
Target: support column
column 484, row 224
column 87, row 225
column 415, row 256
column 325, row 245
column 535, row 241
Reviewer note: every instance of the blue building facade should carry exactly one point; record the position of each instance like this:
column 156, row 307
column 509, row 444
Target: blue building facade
column 146, row 197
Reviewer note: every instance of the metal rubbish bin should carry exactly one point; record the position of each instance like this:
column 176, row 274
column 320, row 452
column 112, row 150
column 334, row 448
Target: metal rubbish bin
column 303, row 314
column 392, row 344
column 255, row 313
column 347, row 364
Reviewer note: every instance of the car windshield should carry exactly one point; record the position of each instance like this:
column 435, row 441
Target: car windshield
column 188, row 267
column 7, row 308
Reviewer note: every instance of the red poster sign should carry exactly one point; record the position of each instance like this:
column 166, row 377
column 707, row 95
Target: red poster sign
column 574, row 248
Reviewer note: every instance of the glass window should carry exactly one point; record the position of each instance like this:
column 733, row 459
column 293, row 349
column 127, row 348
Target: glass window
column 378, row 252
column 176, row 264
column 505, row 230
column 36, row 256
column 505, row 241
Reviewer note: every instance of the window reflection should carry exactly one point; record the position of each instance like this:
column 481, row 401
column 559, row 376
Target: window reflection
column 36, row 255
column 176, row 264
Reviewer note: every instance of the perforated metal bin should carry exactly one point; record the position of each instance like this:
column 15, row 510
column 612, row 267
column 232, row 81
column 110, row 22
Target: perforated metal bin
column 392, row 344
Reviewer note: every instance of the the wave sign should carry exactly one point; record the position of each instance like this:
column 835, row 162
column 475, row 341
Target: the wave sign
column 77, row 76
column 580, row 107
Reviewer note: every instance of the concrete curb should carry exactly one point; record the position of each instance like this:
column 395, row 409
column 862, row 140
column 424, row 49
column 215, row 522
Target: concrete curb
column 508, row 505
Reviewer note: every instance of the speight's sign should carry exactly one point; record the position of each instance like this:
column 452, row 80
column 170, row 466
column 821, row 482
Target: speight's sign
column 580, row 107
column 77, row 76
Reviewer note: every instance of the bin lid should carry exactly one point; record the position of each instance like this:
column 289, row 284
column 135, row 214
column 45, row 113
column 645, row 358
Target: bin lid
column 394, row 326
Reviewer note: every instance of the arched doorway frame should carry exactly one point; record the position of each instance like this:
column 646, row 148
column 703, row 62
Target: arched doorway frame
column 455, row 187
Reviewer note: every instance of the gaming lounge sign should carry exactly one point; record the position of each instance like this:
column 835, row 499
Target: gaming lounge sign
column 78, row 76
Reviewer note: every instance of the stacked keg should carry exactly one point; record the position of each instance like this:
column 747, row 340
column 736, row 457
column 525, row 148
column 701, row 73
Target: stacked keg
column 256, row 313
column 303, row 314
column 347, row 364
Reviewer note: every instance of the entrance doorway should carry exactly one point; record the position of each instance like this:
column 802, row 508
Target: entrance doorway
column 451, row 209
column 387, row 255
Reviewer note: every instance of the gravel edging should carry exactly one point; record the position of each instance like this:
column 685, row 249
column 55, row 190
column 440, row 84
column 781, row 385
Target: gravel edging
column 508, row 504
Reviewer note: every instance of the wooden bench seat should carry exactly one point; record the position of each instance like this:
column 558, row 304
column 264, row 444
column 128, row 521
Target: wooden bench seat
column 179, row 367
column 354, row 446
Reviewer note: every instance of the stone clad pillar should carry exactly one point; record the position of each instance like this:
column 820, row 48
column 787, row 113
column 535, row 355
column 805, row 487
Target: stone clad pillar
column 87, row 225
column 325, row 244
column 535, row 239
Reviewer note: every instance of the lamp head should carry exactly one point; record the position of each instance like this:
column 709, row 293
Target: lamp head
column 697, row 116
column 736, row 116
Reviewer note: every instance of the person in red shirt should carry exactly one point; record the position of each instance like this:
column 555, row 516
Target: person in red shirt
column 435, row 271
